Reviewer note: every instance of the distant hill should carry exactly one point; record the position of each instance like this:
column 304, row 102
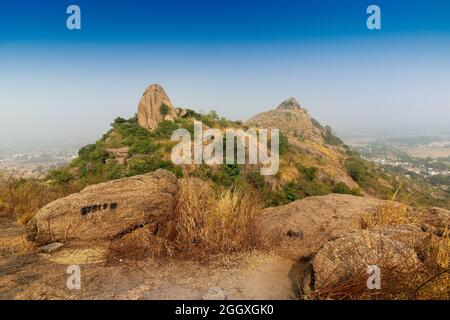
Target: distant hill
column 313, row 161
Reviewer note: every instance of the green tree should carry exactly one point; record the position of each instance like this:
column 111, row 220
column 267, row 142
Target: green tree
column 164, row 109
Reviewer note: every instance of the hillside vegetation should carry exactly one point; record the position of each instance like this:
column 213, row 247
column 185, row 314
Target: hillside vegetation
column 307, row 168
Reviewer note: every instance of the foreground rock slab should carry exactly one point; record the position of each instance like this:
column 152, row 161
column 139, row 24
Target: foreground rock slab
column 350, row 256
column 300, row 228
column 107, row 210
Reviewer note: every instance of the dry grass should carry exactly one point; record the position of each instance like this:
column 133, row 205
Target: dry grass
column 206, row 223
column 431, row 281
column 137, row 246
column 439, row 249
column 395, row 285
column 428, row 281
column 391, row 212
column 212, row 222
column 21, row 199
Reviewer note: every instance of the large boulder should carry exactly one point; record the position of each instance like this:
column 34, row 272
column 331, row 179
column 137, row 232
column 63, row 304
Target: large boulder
column 150, row 113
column 300, row 228
column 350, row 256
column 107, row 210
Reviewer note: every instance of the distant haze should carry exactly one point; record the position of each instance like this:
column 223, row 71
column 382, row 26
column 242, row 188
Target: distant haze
column 60, row 86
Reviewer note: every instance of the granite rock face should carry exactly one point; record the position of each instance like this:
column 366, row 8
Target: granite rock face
column 290, row 118
column 155, row 107
column 107, row 210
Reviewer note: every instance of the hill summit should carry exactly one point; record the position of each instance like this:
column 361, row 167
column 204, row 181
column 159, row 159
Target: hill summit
column 290, row 103
column 155, row 107
column 291, row 119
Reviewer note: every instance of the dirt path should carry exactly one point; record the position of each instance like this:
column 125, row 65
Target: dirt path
column 26, row 273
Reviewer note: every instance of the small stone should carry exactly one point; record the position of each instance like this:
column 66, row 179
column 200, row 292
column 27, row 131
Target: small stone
column 52, row 247
column 182, row 113
column 215, row 293
column 295, row 234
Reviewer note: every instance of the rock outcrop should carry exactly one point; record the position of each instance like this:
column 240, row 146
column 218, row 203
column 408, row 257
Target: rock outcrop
column 326, row 236
column 350, row 255
column 318, row 219
column 119, row 155
column 291, row 119
column 107, row 210
column 155, row 106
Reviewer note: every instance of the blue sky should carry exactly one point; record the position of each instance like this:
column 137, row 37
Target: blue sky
column 236, row 57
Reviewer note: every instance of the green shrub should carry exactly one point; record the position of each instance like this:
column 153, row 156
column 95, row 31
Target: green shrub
column 358, row 170
column 290, row 192
column 142, row 147
column 308, row 173
column 342, row 188
column 149, row 164
column 119, row 120
column 60, row 176
column 330, row 138
column 309, row 188
column 255, row 179
column 283, row 144
column 165, row 129
column 164, row 108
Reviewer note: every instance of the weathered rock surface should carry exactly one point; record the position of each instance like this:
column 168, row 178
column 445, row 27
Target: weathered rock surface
column 291, row 119
column 215, row 293
column 119, row 155
column 107, row 210
column 317, row 219
column 434, row 220
column 350, row 256
column 171, row 291
column 149, row 108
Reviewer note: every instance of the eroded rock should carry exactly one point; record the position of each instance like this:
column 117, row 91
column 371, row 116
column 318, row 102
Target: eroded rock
column 107, row 210
column 150, row 113
column 349, row 256
column 51, row 247
column 300, row 228
column 215, row 293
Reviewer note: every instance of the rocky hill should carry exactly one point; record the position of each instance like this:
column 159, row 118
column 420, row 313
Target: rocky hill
column 155, row 107
column 144, row 228
column 291, row 119
column 313, row 161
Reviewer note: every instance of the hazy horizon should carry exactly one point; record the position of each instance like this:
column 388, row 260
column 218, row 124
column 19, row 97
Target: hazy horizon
column 61, row 86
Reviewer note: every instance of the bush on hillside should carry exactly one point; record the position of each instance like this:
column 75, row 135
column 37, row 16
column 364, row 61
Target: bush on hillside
column 164, row 108
column 342, row 188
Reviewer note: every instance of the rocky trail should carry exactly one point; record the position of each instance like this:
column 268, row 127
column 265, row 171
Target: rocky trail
column 39, row 275
column 305, row 245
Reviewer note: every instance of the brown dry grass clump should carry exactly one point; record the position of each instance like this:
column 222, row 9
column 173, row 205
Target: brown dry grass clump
column 206, row 223
column 22, row 198
column 215, row 221
column 390, row 213
column 137, row 246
